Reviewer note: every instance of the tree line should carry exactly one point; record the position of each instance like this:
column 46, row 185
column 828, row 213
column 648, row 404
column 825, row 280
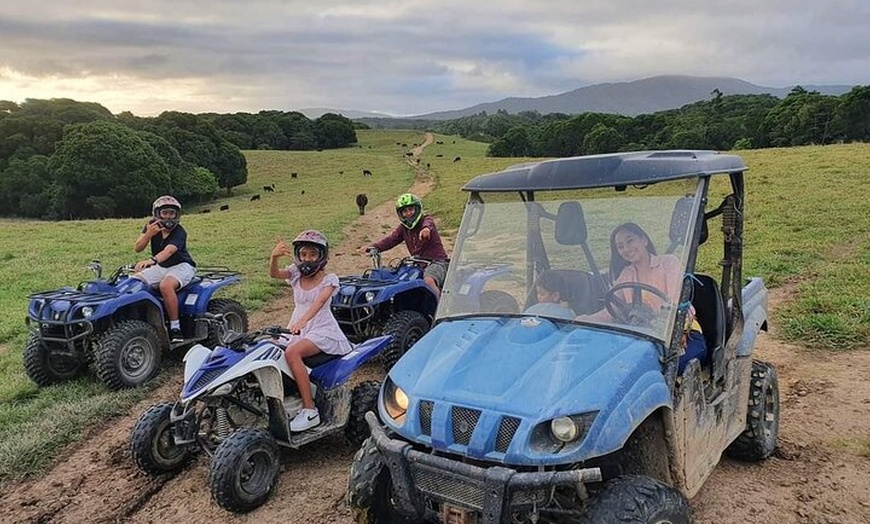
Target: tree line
column 65, row 159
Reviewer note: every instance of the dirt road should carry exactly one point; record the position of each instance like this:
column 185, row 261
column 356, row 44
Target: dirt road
column 819, row 475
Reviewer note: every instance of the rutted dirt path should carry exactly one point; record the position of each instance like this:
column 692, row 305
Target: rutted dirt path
column 819, row 475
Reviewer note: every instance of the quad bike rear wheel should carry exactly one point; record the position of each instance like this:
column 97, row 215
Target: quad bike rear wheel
column 235, row 315
column 128, row 354
column 363, row 399
column 152, row 442
column 244, row 470
column 758, row 440
column 46, row 367
column 406, row 328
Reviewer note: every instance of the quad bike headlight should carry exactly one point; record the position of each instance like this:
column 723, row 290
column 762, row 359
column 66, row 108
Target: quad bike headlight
column 395, row 401
column 564, row 429
column 87, row 311
column 370, row 295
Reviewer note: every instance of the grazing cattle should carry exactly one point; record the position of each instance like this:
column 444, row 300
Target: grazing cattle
column 303, row 191
column 427, row 165
column 255, row 198
column 409, row 154
column 206, row 211
column 439, row 156
column 341, row 172
column 292, row 175
column 269, row 189
column 439, row 142
column 361, row 201
column 366, row 172
column 457, row 159
column 225, row 207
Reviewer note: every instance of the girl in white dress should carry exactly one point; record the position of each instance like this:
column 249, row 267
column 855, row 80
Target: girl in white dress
column 313, row 327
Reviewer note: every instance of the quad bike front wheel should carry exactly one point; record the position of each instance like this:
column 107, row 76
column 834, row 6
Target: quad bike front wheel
column 152, row 442
column 244, row 470
column 496, row 301
column 128, row 354
column 634, row 499
column 406, row 328
column 363, row 399
column 758, row 440
column 46, row 367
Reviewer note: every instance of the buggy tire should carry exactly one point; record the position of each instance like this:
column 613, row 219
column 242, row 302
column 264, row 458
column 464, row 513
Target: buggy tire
column 495, row 301
column 633, row 499
column 369, row 488
column 152, row 442
column 406, row 328
column 235, row 315
column 46, row 369
column 244, row 470
column 128, row 354
column 758, row 440
column 363, row 399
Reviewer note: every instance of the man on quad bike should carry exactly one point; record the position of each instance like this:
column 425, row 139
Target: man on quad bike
column 421, row 237
column 170, row 265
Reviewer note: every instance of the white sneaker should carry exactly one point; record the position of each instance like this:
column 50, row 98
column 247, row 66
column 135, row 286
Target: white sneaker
column 306, row 419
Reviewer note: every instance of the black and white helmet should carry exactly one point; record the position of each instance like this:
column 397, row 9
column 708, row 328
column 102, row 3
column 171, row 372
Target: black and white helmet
column 166, row 202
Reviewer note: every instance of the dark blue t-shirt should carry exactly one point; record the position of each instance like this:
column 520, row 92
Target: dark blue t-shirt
column 178, row 238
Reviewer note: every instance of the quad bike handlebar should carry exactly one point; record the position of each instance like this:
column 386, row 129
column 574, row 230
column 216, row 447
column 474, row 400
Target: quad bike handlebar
column 238, row 341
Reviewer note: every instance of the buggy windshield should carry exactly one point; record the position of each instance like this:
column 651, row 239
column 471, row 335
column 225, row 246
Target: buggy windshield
column 601, row 257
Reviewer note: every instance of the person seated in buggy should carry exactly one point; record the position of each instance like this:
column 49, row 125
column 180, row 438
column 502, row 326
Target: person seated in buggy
column 312, row 324
column 659, row 280
column 550, row 303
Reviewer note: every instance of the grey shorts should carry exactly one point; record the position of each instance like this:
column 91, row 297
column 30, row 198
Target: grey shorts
column 183, row 273
column 437, row 271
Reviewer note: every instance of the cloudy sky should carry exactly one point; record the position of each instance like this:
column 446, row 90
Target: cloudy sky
column 406, row 57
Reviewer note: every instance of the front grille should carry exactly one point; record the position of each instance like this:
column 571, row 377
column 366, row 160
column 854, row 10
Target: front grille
column 464, row 422
column 426, row 417
column 207, row 377
column 506, row 430
column 448, row 488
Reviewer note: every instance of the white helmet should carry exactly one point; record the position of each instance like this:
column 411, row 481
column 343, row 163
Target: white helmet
column 166, row 202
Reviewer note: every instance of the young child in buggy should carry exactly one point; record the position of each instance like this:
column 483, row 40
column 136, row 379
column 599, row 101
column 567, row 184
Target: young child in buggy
column 314, row 328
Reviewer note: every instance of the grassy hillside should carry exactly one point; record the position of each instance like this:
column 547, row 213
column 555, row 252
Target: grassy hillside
column 807, row 228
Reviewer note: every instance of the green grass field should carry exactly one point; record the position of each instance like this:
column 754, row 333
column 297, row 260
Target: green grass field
column 806, row 228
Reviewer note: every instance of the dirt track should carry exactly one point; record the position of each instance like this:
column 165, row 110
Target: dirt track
column 819, row 475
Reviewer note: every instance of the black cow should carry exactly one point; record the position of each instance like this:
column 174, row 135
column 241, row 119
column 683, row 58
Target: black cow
column 361, row 201
column 269, row 189
column 457, row 159
column 225, row 207
column 255, row 198
column 206, row 211
column 292, row 175
column 366, row 172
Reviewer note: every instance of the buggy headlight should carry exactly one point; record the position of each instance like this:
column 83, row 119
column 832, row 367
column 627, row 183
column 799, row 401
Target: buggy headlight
column 564, row 429
column 395, row 401
column 87, row 311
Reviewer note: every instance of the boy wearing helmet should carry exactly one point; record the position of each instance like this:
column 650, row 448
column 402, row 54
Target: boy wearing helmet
column 314, row 328
column 421, row 237
column 170, row 265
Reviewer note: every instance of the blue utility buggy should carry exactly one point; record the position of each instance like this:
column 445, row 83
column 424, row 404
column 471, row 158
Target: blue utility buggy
column 538, row 416
column 118, row 326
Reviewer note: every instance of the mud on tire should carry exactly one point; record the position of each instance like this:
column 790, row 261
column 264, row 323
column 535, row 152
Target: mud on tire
column 369, row 486
column 364, row 398
column 128, row 354
column 758, row 440
column 46, row 369
column 406, row 328
column 244, row 470
column 235, row 315
column 634, row 499
column 153, row 445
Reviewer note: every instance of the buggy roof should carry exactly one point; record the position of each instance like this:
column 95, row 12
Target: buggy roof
column 580, row 172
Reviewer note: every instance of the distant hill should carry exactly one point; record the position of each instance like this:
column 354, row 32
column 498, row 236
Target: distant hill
column 639, row 97
column 317, row 112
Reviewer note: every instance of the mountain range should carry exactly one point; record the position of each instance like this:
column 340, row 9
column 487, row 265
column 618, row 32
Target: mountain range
column 638, row 97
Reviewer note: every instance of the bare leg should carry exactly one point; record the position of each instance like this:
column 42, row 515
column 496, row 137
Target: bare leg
column 431, row 283
column 170, row 300
column 294, row 354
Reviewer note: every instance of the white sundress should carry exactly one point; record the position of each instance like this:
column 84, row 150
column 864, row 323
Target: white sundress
column 323, row 329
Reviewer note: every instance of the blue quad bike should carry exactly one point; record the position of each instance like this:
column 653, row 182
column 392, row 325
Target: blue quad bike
column 394, row 300
column 236, row 405
column 553, row 414
column 118, row 326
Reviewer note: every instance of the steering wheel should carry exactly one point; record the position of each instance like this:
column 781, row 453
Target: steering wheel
column 635, row 312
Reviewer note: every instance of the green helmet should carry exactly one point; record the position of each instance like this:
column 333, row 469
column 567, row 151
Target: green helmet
column 409, row 200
